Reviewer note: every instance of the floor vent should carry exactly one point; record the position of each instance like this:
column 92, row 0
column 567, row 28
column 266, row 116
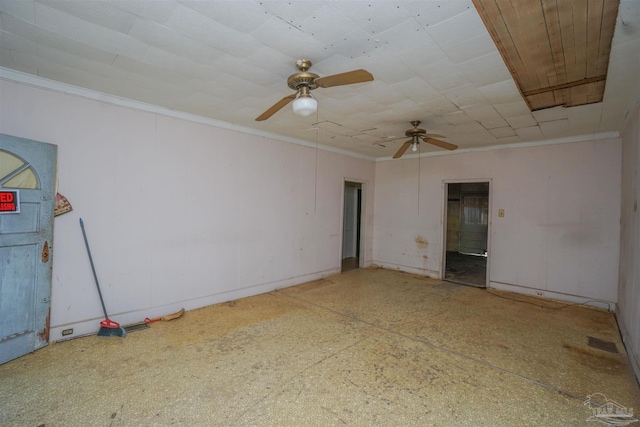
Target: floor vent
column 135, row 327
column 609, row 346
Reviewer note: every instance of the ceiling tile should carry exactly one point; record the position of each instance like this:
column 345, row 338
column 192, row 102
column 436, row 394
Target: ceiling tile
column 96, row 12
column 486, row 115
column 502, row 132
column 10, row 41
column 464, row 95
column 503, row 92
column 82, row 64
column 444, row 78
column 474, row 132
column 555, row 129
column 512, row 109
column 523, row 121
column 164, row 38
column 326, row 25
column 551, row 114
column 407, row 30
column 108, row 40
column 23, row 10
column 458, row 29
column 156, row 10
column 428, row 13
column 372, row 17
column 416, row 89
column 239, row 15
column 439, row 106
column 458, row 118
column 485, row 70
column 354, row 44
column 192, row 24
column 45, row 37
column 530, row 133
column 291, row 13
column 290, row 41
column 469, row 49
column 421, row 58
column 382, row 93
column 392, row 72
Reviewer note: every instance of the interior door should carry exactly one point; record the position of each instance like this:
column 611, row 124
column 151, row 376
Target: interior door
column 474, row 223
column 28, row 170
column 350, row 223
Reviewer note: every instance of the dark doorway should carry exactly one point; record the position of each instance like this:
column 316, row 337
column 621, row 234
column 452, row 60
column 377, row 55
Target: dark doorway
column 351, row 225
column 467, row 230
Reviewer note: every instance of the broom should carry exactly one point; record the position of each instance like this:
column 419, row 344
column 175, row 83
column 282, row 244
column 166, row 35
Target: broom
column 108, row 327
column 172, row 316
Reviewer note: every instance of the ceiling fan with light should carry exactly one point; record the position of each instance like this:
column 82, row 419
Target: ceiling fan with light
column 416, row 135
column 303, row 82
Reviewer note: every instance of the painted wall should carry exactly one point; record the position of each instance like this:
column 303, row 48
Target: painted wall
column 560, row 234
column 628, row 309
column 179, row 213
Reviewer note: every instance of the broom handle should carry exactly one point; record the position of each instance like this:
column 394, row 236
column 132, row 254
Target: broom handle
column 95, row 276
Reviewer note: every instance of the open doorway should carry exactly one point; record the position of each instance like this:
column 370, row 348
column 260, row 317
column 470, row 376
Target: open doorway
column 467, row 233
column 351, row 227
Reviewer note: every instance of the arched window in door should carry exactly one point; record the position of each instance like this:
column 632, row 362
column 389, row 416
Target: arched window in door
column 16, row 173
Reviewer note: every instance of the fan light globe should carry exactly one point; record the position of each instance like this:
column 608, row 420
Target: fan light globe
column 305, row 105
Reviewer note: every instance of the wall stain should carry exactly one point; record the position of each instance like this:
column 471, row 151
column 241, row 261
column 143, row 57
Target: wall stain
column 421, row 242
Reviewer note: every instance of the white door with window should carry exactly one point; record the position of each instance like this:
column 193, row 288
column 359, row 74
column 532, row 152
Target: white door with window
column 27, row 177
column 474, row 223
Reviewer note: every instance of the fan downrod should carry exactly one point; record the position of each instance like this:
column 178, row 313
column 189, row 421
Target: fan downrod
column 415, row 132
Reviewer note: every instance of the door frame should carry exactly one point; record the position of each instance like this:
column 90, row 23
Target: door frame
column 445, row 194
column 362, row 220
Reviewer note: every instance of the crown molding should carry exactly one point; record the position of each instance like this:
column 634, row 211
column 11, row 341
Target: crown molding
column 52, row 85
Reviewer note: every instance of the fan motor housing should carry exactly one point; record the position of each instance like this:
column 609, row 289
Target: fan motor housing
column 302, row 79
column 415, row 132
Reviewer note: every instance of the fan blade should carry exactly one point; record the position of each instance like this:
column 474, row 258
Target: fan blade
column 434, row 135
column 403, row 149
column 440, row 144
column 276, row 107
column 350, row 77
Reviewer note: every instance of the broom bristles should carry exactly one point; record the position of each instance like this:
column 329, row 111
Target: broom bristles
column 173, row 315
column 110, row 328
column 112, row 332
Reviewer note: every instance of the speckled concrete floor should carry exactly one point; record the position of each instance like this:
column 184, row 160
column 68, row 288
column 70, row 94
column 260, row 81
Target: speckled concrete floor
column 365, row 348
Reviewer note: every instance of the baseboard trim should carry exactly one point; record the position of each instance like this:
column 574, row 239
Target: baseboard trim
column 634, row 358
column 547, row 294
column 91, row 326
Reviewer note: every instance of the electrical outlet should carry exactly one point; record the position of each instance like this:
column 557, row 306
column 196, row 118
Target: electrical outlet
column 67, row 332
column 539, row 294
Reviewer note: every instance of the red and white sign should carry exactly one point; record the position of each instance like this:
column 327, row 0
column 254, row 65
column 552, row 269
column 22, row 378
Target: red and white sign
column 9, row 201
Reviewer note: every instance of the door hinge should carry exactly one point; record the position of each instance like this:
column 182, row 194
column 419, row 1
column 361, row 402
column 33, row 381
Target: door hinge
column 45, row 252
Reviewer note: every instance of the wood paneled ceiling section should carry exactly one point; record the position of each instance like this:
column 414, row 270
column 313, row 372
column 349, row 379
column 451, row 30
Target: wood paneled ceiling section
column 556, row 50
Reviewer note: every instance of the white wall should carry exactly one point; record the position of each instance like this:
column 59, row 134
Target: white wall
column 628, row 309
column 560, row 233
column 178, row 213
